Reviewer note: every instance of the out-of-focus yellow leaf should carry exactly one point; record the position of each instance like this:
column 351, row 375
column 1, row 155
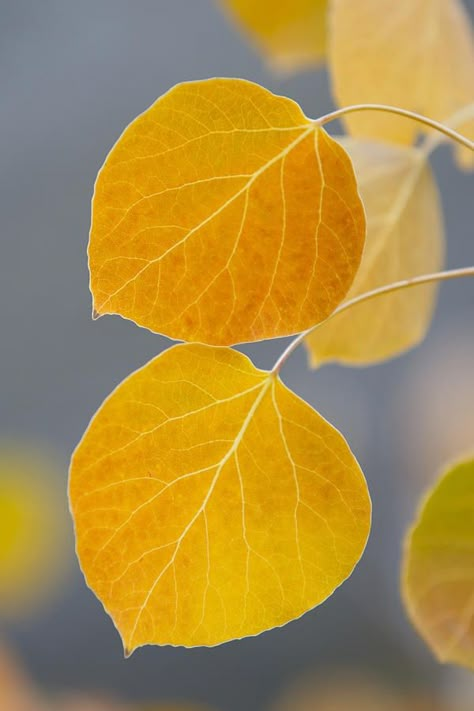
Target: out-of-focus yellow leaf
column 438, row 567
column 405, row 238
column 211, row 503
column 291, row 33
column 32, row 528
column 416, row 54
column 224, row 215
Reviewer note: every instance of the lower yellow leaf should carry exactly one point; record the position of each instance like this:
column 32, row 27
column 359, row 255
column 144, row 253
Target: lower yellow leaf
column 438, row 567
column 211, row 503
column 405, row 238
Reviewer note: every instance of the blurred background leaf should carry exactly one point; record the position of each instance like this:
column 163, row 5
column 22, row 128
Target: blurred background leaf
column 438, row 566
column 416, row 54
column 34, row 527
column 405, row 238
column 290, row 33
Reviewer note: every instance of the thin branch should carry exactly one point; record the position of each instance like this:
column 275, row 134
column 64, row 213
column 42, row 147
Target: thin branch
column 368, row 296
column 449, row 132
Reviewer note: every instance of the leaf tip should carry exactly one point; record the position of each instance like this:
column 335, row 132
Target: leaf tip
column 127, row 651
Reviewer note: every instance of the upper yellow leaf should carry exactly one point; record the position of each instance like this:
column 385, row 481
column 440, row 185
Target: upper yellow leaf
column 211, row 503
column 405, row 238
column 438, row 567
column 416, row 54
column 224, row 215
column 291, row 33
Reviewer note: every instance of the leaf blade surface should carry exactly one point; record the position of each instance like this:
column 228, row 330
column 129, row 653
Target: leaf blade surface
column 229, row 507
column 224, row 215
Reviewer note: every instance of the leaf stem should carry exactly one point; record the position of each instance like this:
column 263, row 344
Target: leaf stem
column 449, row 132
column 380, row 291
column 463, row 116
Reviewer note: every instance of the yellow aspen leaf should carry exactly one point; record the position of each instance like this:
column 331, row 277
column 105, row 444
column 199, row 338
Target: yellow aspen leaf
column 224, row 215
column 438, row 567
column 405, row 238
column 417, row 54
column 211, row 503
column 290, row 33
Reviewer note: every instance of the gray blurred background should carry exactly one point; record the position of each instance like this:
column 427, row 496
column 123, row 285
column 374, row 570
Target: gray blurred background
column 72, row 76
